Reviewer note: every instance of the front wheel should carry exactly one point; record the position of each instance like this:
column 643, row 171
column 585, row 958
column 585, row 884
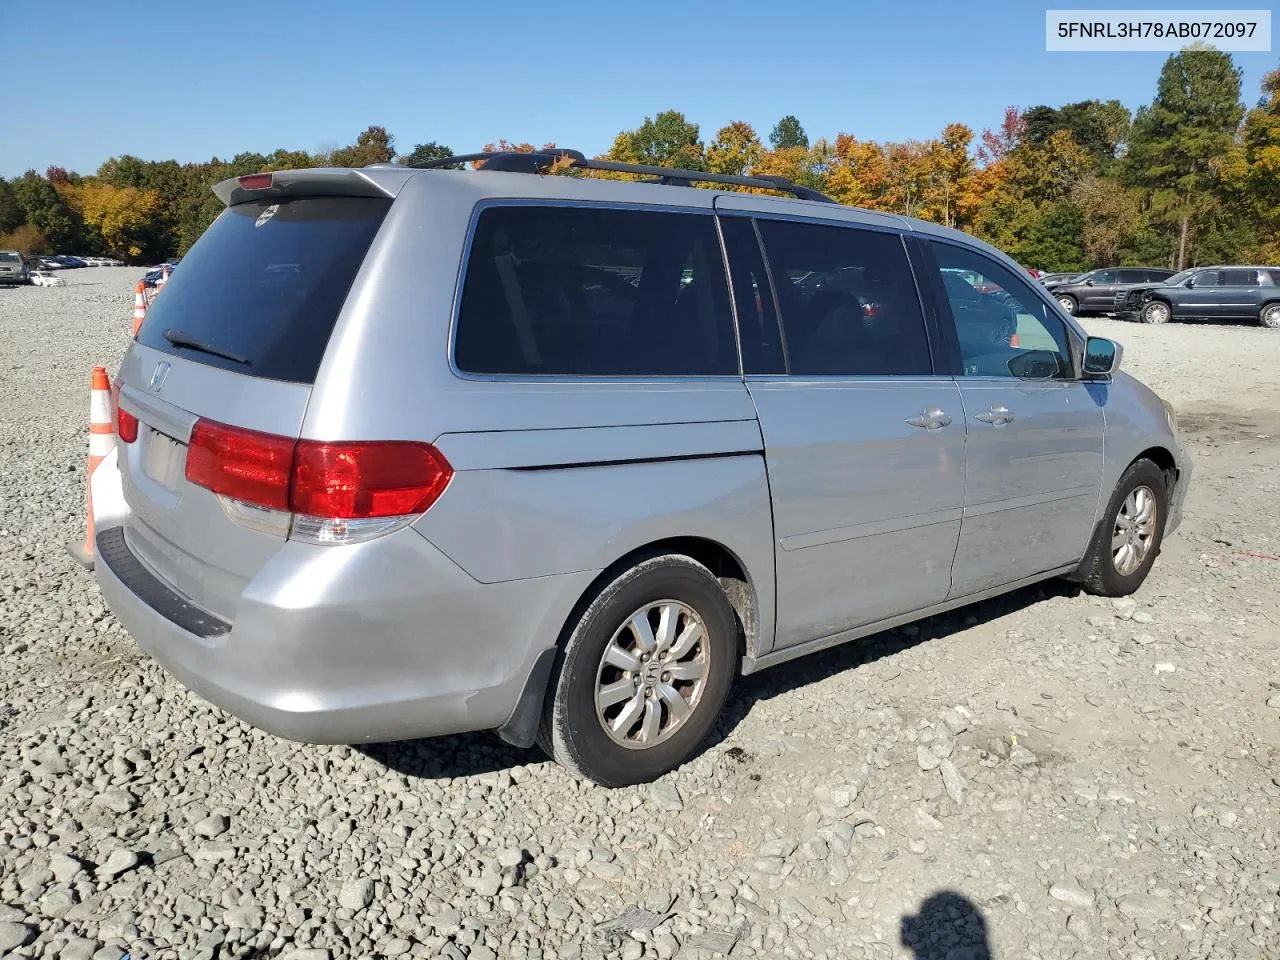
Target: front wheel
column 1270, row 316
column 1128, row 539
column 643, row 675
column 1157, row 311
column 1068, row 304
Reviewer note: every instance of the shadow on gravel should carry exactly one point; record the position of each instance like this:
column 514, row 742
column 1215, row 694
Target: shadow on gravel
column 469, row 754
column 815, row 667
column 463, row 755
column 948, row 927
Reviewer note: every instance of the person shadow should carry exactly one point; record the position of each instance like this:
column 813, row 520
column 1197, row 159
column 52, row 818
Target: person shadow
column 948, row 927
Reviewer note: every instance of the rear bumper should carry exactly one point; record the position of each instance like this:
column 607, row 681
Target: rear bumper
column 387, row 640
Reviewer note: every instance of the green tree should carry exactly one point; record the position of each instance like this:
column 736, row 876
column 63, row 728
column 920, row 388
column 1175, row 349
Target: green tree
column 375, row 145
column 667, row 140
column 735, row 150
column 787, row 133
column 425, row 153
column 48, row 212
column 1180, row 140
column 11, row 215
column 1101, row 128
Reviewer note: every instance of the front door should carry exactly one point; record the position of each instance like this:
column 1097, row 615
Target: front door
column 1034, row 459
column 864, row 444
column 1099, row 296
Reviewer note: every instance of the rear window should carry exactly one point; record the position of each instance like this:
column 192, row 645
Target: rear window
column 593, row 291
column 262, row 288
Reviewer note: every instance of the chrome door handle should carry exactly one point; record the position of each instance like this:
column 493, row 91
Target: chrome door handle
column 998, row 416
column 932, row 419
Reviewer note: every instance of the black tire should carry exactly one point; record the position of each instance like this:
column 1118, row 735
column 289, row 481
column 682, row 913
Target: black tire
column 573, row 733
column 1269, row 316
column 1101, row 576
column 1156, row 311
column 1068, row 302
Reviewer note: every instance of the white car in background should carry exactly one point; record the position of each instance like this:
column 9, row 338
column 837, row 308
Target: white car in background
column 43, row 278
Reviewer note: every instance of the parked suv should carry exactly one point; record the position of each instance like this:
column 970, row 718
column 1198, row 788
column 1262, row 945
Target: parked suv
column 13, row 270
column 1236, row 293
column 409, row 451
column 1095, row 291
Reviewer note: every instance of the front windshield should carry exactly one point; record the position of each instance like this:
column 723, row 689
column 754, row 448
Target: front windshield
column 1178, row 278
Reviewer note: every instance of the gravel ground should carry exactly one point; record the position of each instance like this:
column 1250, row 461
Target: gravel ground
column 1044, row 775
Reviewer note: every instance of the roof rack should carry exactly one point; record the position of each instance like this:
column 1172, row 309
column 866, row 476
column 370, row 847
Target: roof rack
column 539, row 160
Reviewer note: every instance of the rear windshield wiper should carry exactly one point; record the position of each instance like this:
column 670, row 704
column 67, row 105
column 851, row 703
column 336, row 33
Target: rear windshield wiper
column 180, row 339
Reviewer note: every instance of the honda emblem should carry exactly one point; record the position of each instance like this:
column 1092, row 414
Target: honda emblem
column 159, row 374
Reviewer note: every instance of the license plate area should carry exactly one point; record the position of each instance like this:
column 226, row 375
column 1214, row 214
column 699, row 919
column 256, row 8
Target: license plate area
column 163, row 459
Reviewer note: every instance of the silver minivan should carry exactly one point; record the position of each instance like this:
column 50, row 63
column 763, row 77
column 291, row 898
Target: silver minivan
column 413, row 451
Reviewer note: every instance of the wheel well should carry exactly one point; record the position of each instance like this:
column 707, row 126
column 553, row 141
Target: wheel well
column 717, row 558
column 1163, row 459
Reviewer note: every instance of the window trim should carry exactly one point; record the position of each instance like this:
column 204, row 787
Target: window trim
column 1075, row 337
column 464, row 262
column 903, row 238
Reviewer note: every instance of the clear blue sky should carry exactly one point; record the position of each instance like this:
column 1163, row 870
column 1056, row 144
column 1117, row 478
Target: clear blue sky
column 192, row 80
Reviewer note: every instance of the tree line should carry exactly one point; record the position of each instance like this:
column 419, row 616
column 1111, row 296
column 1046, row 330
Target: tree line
column 1191, row 178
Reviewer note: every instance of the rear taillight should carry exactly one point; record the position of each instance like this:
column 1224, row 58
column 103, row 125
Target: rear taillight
column 126, row 426
column 340, row 492
column 350, row 481
column 126, row 423
column 255, row 181
column 241, row 464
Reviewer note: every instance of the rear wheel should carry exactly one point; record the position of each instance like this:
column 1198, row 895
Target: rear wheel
column 643, row 675
column 1069, row 303
column 1128, row 539
column 1270, row 316
column 1157, row 311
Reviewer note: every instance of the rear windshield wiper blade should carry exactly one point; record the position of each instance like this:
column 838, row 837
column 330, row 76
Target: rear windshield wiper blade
column 180, row 339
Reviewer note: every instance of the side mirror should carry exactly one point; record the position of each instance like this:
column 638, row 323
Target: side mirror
column 1190, row 282
column 1089, row 282
column 1101, row 357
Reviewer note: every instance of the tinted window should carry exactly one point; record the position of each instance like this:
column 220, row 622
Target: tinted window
column 1239, row 278
column 1003, row 327
column 1104, row 276
column 595, row 292
column 265, row 284
column 1275, row 276
column 848, row 301
column 1208, row 278
column 1130, row 276
column 758, row 333
column 1159, row 274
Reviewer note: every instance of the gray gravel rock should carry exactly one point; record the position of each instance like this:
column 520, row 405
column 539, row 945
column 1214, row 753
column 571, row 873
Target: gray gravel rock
column 926, row 758
column 14, row 935
column 1071, row 894
column 118, row 861
column 214, row 825
column 357, row 894
column 952, row 781
column 665, row 796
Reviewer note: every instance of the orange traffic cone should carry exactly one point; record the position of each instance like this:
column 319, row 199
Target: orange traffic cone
column 139, row 306
column 102, row 441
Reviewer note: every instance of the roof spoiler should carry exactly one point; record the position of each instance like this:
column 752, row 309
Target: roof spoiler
column 318, row 182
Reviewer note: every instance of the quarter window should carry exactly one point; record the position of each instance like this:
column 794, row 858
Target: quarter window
column 592, row 291
column 1239, row 278
column 1003, row 328
column 847, row 299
